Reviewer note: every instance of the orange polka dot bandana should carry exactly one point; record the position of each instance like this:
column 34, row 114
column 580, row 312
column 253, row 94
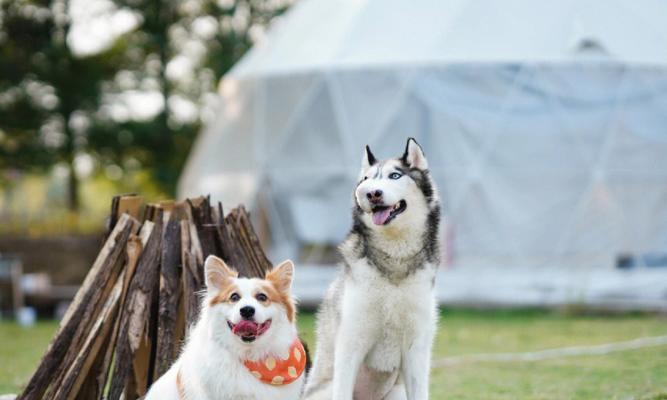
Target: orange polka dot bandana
column 276, row 371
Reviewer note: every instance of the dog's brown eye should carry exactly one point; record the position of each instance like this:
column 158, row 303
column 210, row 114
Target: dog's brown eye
column 234, row 297
column 261, row 297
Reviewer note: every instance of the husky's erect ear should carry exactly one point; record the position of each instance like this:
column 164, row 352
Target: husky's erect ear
column 281, row 276
column 218, row 274
column 368, row 159
column 414, row 155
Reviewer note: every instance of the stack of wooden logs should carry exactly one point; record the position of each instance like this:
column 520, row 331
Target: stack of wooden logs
column 124, row 328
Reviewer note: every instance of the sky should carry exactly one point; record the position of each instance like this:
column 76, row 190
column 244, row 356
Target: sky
column 96, row 23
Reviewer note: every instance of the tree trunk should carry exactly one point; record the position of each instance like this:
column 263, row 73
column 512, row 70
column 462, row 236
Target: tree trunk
column 67, row 109
column 164, row 18
column 72, row 187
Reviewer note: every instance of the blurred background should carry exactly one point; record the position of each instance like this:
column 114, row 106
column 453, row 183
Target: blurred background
column 545, row 126
column 99, row 98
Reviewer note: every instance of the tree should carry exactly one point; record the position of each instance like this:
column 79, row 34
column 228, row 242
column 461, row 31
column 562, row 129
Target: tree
column 209, row 36
column 54, row 103
column 46, row 91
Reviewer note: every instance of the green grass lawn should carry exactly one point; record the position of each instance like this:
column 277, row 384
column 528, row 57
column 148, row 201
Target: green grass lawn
column 635, row 374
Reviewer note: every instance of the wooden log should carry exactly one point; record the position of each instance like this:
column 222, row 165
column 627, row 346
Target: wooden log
column 191, row 278
column 113, row 214
column 129, row 204
column 229, row 252
column 203, row 220
column 145, row 357
column 169, row 295
column 93, row 387
column 93, row 308
column 260, row 263
column 185, row 240
column 193, row 239
column 136, row 312
column 75, row 375
column 142, row 364
column 180, row 328
column 79, row 316
column 191, row 287
column 243, row 263
column 195, row 243
column 150, row 212
column 250, row 269
column 167, row 205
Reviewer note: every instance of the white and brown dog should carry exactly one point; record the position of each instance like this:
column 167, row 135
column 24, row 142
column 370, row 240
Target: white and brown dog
column 245, row 344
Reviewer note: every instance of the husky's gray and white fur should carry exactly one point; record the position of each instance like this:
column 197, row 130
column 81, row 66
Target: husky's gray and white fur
column 376, row 325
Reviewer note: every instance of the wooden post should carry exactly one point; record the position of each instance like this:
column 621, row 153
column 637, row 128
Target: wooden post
column 96, row 382
column 191, row 286
column 75, row 375
column 135, row 316
column 169, row 295
column 260, row 263
column 203, row 220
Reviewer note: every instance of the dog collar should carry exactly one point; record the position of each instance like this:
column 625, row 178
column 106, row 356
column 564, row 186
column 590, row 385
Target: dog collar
column 276, row 371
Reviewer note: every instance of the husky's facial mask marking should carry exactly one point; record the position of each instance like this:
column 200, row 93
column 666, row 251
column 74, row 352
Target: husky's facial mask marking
column 387, row 188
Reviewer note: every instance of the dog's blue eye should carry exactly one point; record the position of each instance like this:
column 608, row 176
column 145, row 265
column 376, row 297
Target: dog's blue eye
column 395, row 175
column 234, row 297
column 261, row 297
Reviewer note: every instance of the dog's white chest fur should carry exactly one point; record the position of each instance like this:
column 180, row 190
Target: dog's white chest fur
column 392, row 313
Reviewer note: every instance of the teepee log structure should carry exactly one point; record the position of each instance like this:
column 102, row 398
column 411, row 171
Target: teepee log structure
column 125, row 325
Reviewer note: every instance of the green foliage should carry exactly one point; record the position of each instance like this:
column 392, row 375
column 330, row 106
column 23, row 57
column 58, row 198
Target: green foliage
column 44, row 86
column 209, row 36
column 56, row 104
column 35, row 206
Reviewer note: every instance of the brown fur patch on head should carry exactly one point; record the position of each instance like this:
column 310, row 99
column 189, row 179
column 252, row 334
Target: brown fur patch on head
column 281, row 276
column 223, row 294
column 279, row 286
column 276, row 296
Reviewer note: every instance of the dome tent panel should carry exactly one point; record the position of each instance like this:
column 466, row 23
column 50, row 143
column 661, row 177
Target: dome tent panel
column 526, row 130
column 364, row 102
column 306, row 173
column 312, row 143
column 223, row 161
column 283, row 99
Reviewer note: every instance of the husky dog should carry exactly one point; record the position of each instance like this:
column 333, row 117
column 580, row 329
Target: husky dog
column 376, row 325
column 244, row 345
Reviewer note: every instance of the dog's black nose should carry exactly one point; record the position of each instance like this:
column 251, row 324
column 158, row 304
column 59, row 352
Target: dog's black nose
column 374, row 195
column 247, row 312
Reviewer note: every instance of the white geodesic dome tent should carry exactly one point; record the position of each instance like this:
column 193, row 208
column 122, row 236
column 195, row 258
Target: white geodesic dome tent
column 545, row 123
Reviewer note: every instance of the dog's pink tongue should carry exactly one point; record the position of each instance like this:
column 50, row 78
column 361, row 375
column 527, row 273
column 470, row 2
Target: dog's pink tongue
column 380, row 217
column 246, row 328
